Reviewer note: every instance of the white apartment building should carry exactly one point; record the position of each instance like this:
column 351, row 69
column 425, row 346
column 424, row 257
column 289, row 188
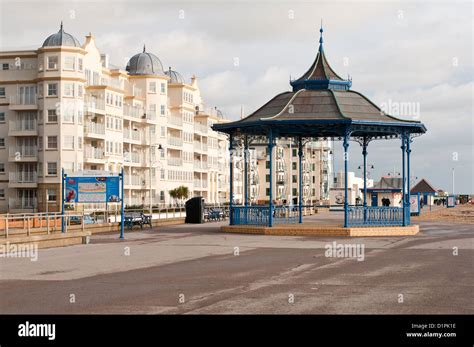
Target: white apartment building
column 64, row 106
column 316, row 177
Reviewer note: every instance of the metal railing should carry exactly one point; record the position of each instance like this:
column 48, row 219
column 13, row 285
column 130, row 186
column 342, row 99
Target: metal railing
column 175, row 141
column 23, row 177
column 24, row 151
column 375, row 216
column 23, row 125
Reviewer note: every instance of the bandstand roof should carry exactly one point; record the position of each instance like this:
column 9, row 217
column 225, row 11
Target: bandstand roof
column 321, row 104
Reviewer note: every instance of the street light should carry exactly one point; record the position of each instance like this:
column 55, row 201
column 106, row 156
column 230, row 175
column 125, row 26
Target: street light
column 155, row 145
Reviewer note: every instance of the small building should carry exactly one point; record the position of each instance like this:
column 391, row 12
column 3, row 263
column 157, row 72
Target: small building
column 355, row 190
column 387, row 188
column 426, row 190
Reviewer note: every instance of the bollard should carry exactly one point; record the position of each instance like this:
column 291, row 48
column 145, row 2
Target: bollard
column 28, row 233
column 47, row 224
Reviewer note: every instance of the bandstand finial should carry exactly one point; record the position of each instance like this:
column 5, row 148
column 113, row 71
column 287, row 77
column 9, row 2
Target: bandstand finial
column 321, row 36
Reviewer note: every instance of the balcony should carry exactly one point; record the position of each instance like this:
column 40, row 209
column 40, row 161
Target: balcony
column 137, row 182
column 94, row 155
column 21, row 102
column 175, row 141
column 94, row 130
column 174, row 120
column 200, row 165
column 149, row 116
column 22, row 203
column 23, row 153
column 133, row 111
column 94, row 105
column 200, row 184
column 200, row 128
column 23, row 127
column 133, row 136
column 175, row 162
column 135, row 158
column 23, row 179
column 200, row 147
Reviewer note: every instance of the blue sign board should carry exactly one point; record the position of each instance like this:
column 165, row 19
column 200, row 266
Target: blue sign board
column 86, row 189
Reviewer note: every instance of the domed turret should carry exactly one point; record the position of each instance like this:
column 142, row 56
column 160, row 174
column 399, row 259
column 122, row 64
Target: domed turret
column 145, row 64
column 61, row 38
column 175, row 76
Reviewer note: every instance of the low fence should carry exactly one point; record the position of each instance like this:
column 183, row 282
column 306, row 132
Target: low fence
column 259, row 215
column 375, row 216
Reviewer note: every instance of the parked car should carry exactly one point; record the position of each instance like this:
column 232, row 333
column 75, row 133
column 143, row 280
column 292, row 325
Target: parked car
column 78, row 219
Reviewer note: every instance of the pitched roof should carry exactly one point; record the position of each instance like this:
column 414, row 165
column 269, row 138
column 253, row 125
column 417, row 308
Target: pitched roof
column 388, row 183
column 423, row 186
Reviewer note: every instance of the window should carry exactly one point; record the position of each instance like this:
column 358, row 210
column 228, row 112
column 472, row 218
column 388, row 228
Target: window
column 40, row 143
column 80, row 90
column 68, row 142
column 52, row 116
column 52, row 142
column 52, row 169
column 162, row 110
column 51, row 194
column 2, row 193
column 69, row 63
column 2, row 168
column 294, row 179
column 79, row 142
column 68, row 89
column 79, row 64
column 52, row 63
column 5, row 66
column 2, row 142
column 152, row 87
column 294, row 152
column 267, row 191
column 293, row 165
column 163, row 131
column 267, row 164
column 2, row 117
column 2, row 92
column 295, row 192
column 52, row 89
column 163, row 88
column 162, row 195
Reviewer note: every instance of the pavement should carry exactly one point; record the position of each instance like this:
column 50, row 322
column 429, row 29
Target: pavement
column 197, row 269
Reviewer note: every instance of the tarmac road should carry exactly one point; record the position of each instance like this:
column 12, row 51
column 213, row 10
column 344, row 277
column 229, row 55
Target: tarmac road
column 196, row 269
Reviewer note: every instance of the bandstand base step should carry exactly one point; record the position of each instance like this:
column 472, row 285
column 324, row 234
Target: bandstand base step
column 321, row 230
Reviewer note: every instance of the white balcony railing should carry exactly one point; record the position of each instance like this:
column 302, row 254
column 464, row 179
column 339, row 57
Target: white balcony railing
column 95, row 128
column 133, row 111
column 175, row 141
column 94, row 153
column 24, row 99
column 175, row 120
column 23, row 177
column 175, row 161
column 93, row 104
column 22, row 203
column 23, row 125
column 23, row 151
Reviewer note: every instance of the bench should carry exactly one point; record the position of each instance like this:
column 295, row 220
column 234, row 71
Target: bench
column 136, row 218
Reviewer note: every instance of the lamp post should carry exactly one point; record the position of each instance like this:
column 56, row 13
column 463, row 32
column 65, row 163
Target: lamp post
column 155, row 145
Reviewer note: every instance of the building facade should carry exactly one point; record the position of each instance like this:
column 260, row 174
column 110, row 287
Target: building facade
column 316, row 176
column 63, row 106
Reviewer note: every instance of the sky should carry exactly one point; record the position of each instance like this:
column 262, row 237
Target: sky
column 415, row 54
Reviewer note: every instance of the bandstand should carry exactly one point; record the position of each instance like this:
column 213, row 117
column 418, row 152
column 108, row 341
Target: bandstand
column 321, row 106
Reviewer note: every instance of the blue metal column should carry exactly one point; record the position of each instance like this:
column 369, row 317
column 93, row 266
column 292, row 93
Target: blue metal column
column 364, row 153
column 122, row 206
column 403, row 147
column 246, row 174
column 346, row 193
column 63, row 196
column 408, row 181
column 270, row 167
column 300, row 188
column 231, row 179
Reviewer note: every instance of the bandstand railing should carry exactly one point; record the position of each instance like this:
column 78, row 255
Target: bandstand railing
column 360, row 216
column 258, row 215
